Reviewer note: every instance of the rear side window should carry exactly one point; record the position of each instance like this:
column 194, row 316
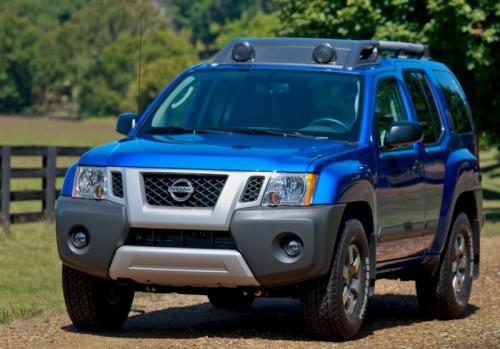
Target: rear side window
column 388, row 107
column 458, row 110
column 424, row 105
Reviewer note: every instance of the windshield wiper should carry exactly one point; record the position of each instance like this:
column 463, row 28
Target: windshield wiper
column 179, row 130
column 263, row 131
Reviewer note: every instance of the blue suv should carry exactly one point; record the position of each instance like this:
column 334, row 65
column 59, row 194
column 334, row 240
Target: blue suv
column 303, row 168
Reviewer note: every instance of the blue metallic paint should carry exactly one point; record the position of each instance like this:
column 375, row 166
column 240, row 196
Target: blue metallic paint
column 69, row 179
column 343, row 168
column 235, row 152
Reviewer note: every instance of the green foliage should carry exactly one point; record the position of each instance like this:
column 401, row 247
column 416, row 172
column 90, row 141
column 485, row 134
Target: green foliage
column 103, row 41
column 464, row 34
column 84, row 52
column 206, row 18
column 165, row 55
column 16, row 36
column 82, row 55
column 259, row 25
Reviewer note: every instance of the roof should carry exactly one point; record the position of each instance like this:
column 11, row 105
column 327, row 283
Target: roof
column 348, row 54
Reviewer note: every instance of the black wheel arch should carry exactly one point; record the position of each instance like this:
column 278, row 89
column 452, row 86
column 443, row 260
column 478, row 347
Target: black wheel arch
column 466, row 197
column 361, row 204
column 470, row 203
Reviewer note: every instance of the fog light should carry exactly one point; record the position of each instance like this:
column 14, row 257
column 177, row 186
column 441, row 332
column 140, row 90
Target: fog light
column 79, row 239
column 293, row 247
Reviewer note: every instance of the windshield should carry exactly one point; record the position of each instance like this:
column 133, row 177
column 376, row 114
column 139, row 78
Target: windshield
column 274, row 102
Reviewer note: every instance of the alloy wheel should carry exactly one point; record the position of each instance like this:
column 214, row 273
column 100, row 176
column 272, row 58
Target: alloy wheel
column 351, row 275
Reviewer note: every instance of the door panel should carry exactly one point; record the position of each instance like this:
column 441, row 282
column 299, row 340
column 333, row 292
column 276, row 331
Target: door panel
column 400, row 186
column 434, row 153
column 401, row 205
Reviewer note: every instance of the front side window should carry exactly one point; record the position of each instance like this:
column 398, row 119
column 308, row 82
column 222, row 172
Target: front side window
column 313, row 104
column 424, row 105
column 388, row 107
column 457, row 110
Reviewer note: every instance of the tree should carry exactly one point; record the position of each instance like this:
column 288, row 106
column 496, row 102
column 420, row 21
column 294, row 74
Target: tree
column 165, row 55
column 17, row 35
column 81, row 56
column 205, row 18
column 259, row 25
column 103, row 40
column 464, row 34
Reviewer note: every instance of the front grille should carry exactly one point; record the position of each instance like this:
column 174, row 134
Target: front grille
column 181, row 238
column 117, row 184
column 206, row 189
column 252, row 189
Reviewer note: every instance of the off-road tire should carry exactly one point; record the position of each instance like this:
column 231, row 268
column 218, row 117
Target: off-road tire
column 436, row 295
column 323, row 305
column 230, row 299
column 95, row 304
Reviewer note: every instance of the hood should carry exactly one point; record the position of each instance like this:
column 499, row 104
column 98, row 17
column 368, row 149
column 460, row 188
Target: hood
column 231, row 152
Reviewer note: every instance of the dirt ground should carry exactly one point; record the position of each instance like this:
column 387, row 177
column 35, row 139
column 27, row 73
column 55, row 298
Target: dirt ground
column 176, row 321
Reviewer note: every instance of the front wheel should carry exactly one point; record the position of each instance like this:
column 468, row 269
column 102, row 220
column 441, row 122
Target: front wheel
column 446, row 294
column 334, row 305
column 95, row 304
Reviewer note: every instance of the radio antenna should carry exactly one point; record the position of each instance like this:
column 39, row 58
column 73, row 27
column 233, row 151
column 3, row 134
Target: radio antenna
column 140, row 66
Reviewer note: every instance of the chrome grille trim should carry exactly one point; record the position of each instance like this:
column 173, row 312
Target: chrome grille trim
column 140, row 214
column 207, row 189
column 117, row 184
column 252, row 189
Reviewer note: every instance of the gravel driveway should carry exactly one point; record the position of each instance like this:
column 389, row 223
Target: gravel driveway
column 174, row 321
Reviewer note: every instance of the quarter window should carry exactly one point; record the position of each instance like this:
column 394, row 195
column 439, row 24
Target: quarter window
column 424, row 105
column 388, row 107
column 457, row 110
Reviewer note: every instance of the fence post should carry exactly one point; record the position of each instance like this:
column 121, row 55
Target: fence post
column 5, row 207
column 49, row 183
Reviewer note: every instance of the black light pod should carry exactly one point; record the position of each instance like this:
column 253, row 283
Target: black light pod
column 243, row 52
column 324, row 54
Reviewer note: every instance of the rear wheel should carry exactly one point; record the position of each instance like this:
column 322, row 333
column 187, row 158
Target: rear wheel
column 95, row 304
column 230, row 299
column 446, row 295
column 334, row 306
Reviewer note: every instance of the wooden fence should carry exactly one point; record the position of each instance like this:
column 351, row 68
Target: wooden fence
column 48, row 172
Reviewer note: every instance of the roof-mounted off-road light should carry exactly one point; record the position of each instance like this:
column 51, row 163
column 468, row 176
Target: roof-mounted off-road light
column 324, row 54
column 243, row 52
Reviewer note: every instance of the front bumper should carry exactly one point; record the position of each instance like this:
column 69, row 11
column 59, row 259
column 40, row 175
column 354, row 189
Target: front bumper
column 257, row 231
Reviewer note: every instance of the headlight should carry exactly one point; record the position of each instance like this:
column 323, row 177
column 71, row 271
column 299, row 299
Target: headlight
column 91, row 183
column 290, row 189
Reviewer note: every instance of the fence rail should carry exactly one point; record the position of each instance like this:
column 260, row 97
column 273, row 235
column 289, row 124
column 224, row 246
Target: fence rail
column 48, row 172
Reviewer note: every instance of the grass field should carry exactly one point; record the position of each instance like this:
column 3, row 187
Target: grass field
column 29, row 265
column 490, row 168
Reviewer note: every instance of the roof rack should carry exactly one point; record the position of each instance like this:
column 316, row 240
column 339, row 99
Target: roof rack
column 404, row 49
column 326, row 52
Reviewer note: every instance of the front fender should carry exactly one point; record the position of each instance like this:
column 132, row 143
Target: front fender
column 69, row 179
column 350, row 181
column 340, row 180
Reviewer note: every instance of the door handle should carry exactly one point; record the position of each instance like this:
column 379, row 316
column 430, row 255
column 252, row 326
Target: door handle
column 418, row 167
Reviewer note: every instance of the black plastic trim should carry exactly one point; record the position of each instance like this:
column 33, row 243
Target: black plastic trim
column 106, row 224
column 258, row 232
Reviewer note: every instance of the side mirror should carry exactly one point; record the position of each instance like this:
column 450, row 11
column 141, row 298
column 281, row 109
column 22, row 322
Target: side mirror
column 403, row 133
column 126, row 122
